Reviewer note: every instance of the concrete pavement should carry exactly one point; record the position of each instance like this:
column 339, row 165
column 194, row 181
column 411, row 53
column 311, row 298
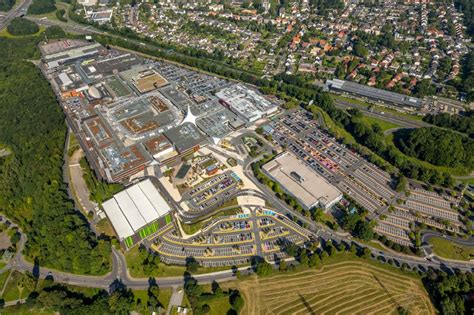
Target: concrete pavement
column 77, row 182
column 175, row 300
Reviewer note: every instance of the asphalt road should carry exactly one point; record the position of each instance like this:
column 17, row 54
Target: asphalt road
column 429, row 234
column 119, row 270
column 15, row 12
column 387, row 116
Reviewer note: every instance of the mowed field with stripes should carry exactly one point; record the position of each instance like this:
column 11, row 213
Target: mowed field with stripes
column 348, row 287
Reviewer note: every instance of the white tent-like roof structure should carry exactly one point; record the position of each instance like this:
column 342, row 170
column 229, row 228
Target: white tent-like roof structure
column 190, row 118
column 135, row 207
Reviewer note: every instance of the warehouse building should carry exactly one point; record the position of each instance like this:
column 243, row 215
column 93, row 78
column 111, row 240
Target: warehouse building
column 64, row 52
column 137, row 212
column 374, row 94
column 300, row 181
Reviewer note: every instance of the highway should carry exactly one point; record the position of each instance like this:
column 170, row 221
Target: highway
column 387, row 116
column 15, row 12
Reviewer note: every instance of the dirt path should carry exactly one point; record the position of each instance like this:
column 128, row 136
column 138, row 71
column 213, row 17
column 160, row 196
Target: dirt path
column 78, row 184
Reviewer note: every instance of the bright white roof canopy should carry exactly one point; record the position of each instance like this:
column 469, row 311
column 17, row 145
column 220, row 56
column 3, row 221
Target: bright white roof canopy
column 132, row 209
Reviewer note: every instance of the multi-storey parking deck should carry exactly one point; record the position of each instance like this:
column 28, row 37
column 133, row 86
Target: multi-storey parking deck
column 232, row 237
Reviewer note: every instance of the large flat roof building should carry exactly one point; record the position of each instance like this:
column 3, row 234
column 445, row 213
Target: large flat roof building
column 299, row 180
column 137, row 212
column 67, row 52
column 375, row 94
column 246, row 103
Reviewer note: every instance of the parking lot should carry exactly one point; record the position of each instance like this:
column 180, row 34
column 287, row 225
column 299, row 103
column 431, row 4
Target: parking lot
column 230, row 237
column 212, row 192
column 367, row 184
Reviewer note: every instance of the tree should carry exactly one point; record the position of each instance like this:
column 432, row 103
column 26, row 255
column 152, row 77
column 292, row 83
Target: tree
column 424, row 88
column 6, row 5
column 366, row 252
column 236, row 301
column 402, row 183
column 360, row 50
column 216, row 289
column 264, row 268
column 192, row 264
column 314, row 261
column 437, row 146
column 283, row 265
column 304, row 260
column 36, row 197
column 22, row 27
column 153, row 296
column 121, row 301
column 15, row 238
column 41, row 6
column 206, row 309
column 193, row 291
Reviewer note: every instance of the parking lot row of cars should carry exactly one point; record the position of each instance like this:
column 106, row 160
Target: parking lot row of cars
column 230, row 237
column 370, row 186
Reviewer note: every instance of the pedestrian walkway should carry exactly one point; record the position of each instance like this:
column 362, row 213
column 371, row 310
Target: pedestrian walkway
column 175, row 300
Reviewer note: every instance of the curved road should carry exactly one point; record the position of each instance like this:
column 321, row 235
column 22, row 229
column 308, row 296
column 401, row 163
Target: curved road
column 429, row 234
column 119, row 269
column 15, row 12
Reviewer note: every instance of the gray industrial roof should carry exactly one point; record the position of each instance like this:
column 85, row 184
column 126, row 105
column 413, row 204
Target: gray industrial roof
column 185, row 136
column 301, row 181
column 374, row 93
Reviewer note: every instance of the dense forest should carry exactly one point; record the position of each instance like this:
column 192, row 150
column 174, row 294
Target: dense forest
column 6, row 5
column 22, row 27
column 467, row 7
column 437, row 146
column 32, row 191
column 48, row 297
column 42, row 6
column 451, row 294
column 464, row 124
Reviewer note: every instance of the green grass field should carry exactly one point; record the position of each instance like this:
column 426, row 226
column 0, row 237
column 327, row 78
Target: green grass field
column 190, row 229
column 104, row 227
column 18, row 287
column 379, row 107
column 385, row 125
column 141, row 300
column 4, row 33
column 3, row 278
column 450, row 250
column 217, row 306
column 331, row 125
